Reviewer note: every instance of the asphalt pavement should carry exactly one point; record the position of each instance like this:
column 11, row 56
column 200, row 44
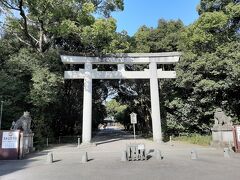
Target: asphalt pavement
column 104, row 162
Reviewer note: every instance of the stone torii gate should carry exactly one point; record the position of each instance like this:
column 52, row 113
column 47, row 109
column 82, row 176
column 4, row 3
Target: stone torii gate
column 153, row 73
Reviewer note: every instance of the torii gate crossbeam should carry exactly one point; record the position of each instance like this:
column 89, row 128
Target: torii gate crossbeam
column 133, row 58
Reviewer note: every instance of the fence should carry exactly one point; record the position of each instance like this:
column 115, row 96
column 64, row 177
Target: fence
column 63, row 140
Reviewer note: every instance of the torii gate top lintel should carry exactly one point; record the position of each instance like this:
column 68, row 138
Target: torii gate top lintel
column 121, row 59
column 130, row 58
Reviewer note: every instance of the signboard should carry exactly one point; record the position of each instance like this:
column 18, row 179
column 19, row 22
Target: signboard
column 10, row 140
column 238, row 133
column 133, row 118
column 9, row 144
column 141, row 147
column 133, row 121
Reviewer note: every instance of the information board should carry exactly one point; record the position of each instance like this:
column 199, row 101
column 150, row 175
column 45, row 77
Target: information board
column 141, row 147
column 10, row 140
column 133, row 118
column 9, row 144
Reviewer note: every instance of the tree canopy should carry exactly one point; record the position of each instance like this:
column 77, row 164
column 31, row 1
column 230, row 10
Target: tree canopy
column 208, row 74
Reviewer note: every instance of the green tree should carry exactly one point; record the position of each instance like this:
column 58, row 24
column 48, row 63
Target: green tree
column 114, row 108
column 141, row 39
column 39, row 23
column 208, row 72
column 164, row 38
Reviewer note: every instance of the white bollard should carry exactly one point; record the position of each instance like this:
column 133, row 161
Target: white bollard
column 158, row 155
column 84, row 157
column 50, row 158
column 226, row 152
column 124, row 156
column 78, row 143
column 171, row 143
column 194, row 154
column 47, row 142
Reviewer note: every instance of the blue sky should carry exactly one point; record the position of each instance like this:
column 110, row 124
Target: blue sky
column 148, row 12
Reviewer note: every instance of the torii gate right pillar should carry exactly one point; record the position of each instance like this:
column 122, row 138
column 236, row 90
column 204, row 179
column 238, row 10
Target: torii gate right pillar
column 155, row 106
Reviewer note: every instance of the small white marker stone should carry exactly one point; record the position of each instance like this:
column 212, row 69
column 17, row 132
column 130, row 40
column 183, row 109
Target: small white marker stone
column 194, row 154
column 85, row 157
column 158, row 155
column 50, row 158
column 226, row 152
column 124, row 156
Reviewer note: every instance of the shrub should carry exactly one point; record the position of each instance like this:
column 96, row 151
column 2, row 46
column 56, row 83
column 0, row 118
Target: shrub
column 203, row 140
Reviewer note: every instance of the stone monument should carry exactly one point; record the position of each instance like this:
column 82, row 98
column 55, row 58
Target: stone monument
column 24, row 124
column 222, row 135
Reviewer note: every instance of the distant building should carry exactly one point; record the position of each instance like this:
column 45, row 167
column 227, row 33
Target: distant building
column 109, row 120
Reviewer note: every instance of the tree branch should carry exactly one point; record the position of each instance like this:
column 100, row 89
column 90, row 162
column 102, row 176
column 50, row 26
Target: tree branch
column 25, row 26
column 9, row 6
column 21, row 40
column 31, row 21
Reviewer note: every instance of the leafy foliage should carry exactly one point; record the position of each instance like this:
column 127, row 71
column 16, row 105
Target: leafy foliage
column 195, row 139
column 43, row 23
column 113, row 108
column 207, row 73
column 164, row 38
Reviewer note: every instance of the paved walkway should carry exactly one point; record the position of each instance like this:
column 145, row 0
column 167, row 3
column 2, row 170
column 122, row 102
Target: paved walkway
column 105, row 162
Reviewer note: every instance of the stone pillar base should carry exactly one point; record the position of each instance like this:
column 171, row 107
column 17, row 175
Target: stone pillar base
column 222, row 137
column 28, row 143
column 218, row 144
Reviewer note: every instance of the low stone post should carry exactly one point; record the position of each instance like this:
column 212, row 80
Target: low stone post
column 171, row 143
column 47, row 142
column 49, row 158
column 84, row 157
column 194, row 154
column 124, row 156
column 158, row 154
column 226, row 152
column 78, row 143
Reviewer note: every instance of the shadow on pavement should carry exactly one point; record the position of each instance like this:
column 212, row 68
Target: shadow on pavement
column 9, row 166
column 101, row 137
column 110, row 135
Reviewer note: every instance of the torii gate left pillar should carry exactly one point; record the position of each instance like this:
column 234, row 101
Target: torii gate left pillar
column 155, row 103
column 87, row 105
column 152, row 73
